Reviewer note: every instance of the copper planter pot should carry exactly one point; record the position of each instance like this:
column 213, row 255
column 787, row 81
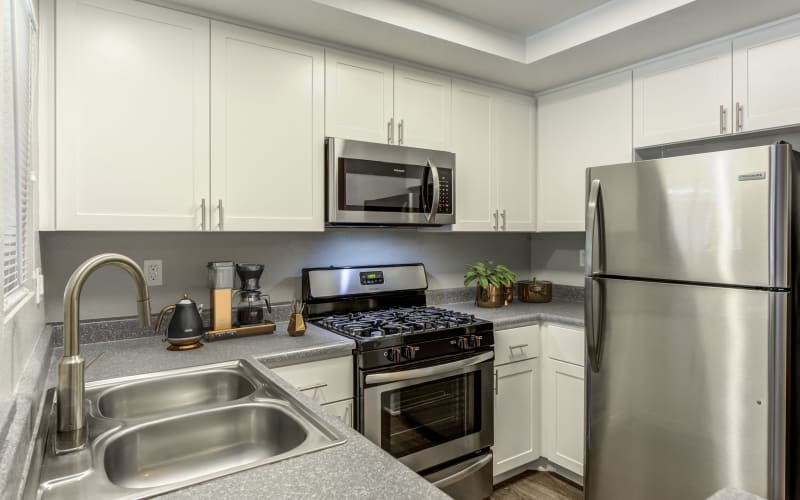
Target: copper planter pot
column 535, row 291
column 491, row 296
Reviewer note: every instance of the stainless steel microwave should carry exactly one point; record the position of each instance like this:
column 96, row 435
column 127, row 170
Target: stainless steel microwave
column 388, row 185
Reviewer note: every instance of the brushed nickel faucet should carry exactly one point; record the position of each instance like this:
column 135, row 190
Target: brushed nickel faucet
column 70, row 411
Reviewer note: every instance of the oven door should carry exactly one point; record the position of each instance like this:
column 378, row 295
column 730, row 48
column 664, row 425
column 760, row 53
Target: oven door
column 380, row 184
column 429, row 415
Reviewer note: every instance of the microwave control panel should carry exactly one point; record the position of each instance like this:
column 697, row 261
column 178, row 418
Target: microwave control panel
column 445, row 191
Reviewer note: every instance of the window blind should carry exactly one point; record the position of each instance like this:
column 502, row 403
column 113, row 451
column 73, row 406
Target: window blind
column 17, row 78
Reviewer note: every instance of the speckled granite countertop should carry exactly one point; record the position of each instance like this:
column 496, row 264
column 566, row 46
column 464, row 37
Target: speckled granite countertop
column 321, row 474
column 519, row 313
column 316, row 475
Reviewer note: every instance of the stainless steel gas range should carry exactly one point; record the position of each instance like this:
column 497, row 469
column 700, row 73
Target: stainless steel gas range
column 423, row 384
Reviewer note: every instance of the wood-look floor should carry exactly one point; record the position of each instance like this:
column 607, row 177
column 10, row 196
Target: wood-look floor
column 535, row 485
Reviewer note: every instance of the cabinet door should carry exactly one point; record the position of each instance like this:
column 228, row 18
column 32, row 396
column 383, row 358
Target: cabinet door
column 326, row 381
column 563, row 415
column 766, row 69
column 516, row 415
column 132, row 122
column 267, row 142
column 473, row 123
column 582, row 126
column 514, row 162
column 343, row 410
column 359, row 98
column 422, row 108
column 683, row 97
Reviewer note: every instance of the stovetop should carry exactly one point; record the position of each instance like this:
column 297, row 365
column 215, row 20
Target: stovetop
column 383, row 309
column 396, row 321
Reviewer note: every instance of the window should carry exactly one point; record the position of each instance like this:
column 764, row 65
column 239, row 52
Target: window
column 17, row 137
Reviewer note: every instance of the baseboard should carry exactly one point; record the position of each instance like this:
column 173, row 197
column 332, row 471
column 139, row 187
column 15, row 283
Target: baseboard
column 543, row 465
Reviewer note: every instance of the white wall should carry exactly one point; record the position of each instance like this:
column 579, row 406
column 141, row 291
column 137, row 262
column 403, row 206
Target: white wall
column 109, row 293
column 555, row 257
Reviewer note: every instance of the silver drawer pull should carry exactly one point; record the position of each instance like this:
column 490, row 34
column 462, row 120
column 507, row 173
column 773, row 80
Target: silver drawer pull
column 519, row 346
column 312, row 386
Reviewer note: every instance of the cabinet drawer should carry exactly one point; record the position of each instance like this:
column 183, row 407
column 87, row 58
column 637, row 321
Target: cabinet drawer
column 516, row 344
column 325, row 381
column 565, row 344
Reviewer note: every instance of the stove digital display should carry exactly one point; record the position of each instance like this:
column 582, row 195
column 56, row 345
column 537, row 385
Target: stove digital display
column 371, row 278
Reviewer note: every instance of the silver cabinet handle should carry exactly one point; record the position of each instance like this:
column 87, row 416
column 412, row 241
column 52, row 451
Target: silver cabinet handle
column 519, row 346
column 739, row 109
column 221, row 216
column 400, row 128
column 503, row 215
column 390, row 131
column 319, row 385
column 496, row 383
column 495, row 215
column 594, row 219
column 203, row 213
column 723, row 114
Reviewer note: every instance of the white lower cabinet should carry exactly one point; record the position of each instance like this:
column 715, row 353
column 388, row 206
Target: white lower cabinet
column 343, row 410
column 539, row 397
column 326, row 381
column 563, row 414
column 516, row 415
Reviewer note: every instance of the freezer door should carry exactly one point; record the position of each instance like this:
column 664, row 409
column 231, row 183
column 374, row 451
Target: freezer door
column 679, row 399
column 718, row 217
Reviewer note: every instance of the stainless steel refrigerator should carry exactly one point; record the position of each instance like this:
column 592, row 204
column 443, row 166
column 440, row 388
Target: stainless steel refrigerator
column 690, row 301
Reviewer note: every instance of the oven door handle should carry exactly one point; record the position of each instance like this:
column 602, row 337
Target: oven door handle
column 458, row 476
column 382, row 378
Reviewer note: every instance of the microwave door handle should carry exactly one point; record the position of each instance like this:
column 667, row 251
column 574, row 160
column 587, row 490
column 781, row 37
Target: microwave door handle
column 435, row 198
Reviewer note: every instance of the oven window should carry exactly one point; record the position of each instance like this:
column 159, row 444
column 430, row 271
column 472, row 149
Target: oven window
column 421, row 416
column 375, row 186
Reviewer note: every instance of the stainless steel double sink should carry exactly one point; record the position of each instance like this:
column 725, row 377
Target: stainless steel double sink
column 158, row 432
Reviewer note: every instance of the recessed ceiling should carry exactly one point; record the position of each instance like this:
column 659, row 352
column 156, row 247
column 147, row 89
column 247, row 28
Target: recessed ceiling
column 521, row 17
column 610, row 35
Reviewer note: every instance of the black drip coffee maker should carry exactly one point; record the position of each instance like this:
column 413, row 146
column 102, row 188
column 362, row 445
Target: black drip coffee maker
column 253, row 305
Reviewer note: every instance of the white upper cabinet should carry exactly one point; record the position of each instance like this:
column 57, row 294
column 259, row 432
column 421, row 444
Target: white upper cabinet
column 766, row 68
column 687, row 96
column 359, row 97
column 513, row 152
column 473, row 132
column 582, row 126
column 132, row 106
column 422, row 108
column 267, row 132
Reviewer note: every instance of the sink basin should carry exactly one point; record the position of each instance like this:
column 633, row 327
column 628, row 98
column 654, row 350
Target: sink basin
column 163, row 395
column 150, row 434
column 180, row 449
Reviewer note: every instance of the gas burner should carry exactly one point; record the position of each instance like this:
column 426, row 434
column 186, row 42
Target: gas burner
column 395, row 321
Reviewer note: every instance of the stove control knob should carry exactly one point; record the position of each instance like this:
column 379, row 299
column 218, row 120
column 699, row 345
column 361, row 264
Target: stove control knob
column 393, row 354
column 461, row 343
column 410, row 352
column 477, row 340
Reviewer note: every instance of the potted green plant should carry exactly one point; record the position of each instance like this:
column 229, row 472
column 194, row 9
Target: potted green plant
column 493, row 283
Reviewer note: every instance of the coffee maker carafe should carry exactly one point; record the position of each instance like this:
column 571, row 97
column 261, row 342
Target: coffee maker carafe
column 252, row 305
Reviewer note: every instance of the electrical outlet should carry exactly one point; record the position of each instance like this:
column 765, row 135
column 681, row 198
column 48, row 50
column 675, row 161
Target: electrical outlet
column 581, row 257
column 153, row 272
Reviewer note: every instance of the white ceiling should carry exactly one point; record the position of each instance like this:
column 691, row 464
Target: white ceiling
column 522, row 17
column 611, row 35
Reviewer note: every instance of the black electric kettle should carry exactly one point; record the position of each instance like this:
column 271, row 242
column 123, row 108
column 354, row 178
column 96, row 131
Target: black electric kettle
column 185, row 328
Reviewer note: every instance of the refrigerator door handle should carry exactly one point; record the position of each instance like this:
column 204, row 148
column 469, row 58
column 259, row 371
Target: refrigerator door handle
column 594, row 221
